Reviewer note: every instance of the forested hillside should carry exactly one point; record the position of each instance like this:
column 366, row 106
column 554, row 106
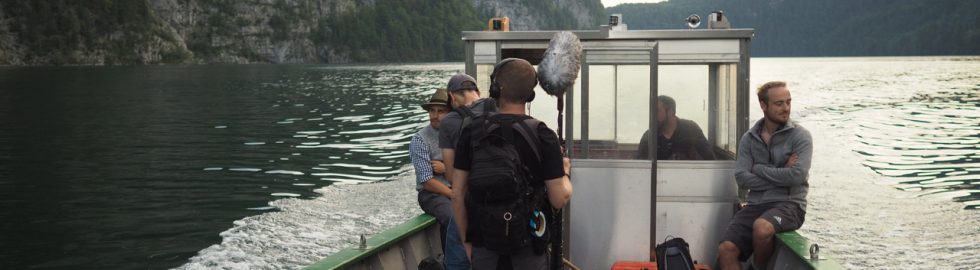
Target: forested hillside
column 111, row 32
column 831, row 27
column 108, row 32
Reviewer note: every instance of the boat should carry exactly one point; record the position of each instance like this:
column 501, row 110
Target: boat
column 612, row 215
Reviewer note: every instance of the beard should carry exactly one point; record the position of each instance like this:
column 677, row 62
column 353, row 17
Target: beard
column 777, row 117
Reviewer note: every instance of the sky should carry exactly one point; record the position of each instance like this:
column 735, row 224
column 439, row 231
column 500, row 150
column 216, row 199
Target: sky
column 609, row 3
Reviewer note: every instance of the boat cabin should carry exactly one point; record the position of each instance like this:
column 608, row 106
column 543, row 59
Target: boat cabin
column 612, row 214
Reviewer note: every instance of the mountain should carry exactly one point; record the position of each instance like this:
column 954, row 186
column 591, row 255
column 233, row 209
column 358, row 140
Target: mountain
column 113, row 32
column 830, row 27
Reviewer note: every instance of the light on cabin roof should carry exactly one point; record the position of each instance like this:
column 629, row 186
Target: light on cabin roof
column 693, row 21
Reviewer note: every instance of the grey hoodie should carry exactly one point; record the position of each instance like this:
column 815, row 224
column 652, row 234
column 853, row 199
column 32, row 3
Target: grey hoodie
column 759, row 167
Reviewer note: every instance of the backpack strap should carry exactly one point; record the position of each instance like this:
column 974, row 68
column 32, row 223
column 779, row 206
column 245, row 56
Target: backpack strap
column 529, row 130
column 465, row 112
column 527, row 127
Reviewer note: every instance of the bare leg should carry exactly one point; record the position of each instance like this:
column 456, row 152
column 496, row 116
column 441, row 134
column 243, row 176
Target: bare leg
column 728, row 256
column 762, row 233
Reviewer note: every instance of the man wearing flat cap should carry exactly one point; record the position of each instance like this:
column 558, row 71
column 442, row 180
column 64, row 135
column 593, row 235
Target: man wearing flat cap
column 435, row 189
column 435, row 195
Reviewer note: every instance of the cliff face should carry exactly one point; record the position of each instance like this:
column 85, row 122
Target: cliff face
column 544, row 14
column 55, row 32
column 273, row 31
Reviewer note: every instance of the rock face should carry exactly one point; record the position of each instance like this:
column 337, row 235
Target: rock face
column 223, row 31
column 527, row 15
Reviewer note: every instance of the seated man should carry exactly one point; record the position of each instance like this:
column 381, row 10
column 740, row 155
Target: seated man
column 435, row 195
column 773, row 164
column 680, row 139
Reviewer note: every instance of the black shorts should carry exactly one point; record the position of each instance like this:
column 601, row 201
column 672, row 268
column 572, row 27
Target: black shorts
column 784, row 216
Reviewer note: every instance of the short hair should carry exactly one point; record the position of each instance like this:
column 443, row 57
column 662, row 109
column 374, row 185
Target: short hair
column 516, row 80
column 669, row 104
column 763, row 92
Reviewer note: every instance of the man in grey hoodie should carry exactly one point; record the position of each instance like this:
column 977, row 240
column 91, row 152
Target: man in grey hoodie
column 773, row 164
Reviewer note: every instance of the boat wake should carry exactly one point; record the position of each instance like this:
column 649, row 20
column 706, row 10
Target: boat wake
column 304, row 231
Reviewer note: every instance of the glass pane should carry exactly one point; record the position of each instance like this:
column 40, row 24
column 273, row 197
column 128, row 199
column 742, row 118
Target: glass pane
column 724, row 134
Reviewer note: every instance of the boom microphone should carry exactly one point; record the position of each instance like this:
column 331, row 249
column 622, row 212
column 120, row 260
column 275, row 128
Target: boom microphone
column 557, row 73
column 559, row 68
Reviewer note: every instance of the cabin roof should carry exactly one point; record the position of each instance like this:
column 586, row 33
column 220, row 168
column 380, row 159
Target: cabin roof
column 606, row 34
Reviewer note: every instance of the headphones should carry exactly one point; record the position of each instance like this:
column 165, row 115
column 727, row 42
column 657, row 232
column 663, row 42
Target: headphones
column 495, row 88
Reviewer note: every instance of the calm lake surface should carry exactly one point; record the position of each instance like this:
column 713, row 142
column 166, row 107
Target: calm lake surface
column 247, row 167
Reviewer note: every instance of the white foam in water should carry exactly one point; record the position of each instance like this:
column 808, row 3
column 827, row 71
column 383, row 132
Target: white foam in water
column 213, row 169
column 383, row 172
column 359, row 166
column 311, row 132
column 393, row 156
column 345, row 181
column 254, row 143
column 354, row 118
column 220, row 126
column 307, row 230
column 285, row 172
column 284, row 194
column 362, row 177
column 245, row 169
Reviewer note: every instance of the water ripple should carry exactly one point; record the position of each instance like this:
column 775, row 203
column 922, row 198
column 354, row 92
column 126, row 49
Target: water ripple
column 930, row 143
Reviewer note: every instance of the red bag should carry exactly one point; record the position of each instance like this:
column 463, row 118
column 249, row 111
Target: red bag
column 628, row 265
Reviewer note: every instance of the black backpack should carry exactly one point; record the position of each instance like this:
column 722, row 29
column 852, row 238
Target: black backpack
column 502, row 196
column 489, row 106
column 674, row 254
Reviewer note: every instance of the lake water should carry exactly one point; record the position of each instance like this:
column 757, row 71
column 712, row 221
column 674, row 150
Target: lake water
column 248, row 167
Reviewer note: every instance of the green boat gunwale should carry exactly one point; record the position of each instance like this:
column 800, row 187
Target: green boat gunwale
column 350, row 256
column 801, row 248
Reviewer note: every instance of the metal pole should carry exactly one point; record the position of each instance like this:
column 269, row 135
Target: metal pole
column 654, row 58
column 585, row 105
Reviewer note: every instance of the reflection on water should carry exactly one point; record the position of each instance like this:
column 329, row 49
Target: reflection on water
column 143, row 167
column 929, row 144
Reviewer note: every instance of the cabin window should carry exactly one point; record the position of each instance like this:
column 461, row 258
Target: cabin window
column 618, row 111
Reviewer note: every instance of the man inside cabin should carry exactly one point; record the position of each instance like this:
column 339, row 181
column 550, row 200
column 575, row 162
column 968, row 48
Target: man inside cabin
column 773, row 164
column 679, row 139
column 497, row 241
column 435, row 193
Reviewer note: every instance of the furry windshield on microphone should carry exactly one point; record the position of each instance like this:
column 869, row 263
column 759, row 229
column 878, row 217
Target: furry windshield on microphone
column 559, row 68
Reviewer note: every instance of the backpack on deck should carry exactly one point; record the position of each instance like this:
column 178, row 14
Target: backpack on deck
column 674, row 254
column 502, row 197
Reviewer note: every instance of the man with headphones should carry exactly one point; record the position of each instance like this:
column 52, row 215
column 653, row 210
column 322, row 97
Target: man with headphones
column 512, row 87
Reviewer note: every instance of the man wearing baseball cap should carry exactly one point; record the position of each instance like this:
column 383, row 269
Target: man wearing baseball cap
column 466, row 104
column 464, row 98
